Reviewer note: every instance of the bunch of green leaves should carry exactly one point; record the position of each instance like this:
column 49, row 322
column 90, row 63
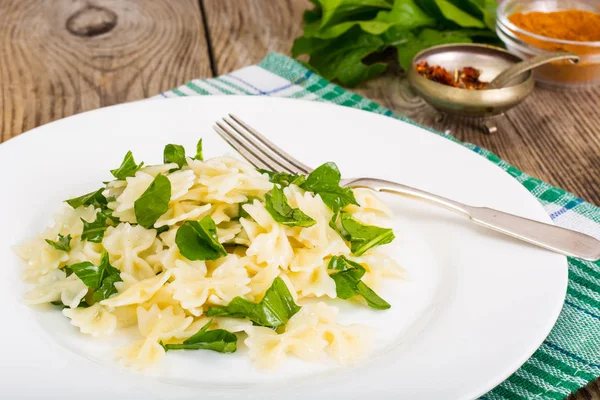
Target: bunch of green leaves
column 273, row 311
column 348, row 282
column 340, row 34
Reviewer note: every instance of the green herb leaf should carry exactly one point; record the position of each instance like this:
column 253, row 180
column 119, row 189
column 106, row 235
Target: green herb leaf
column 348, row 282
column 94, row 198
column 63, row 243
column 174, row 153
column 334, row 11
column 94, row 231
column 284, row 179
column 325, row 181
column 198, row 155
column 342, row 58
column 405, row 15
column 482, row 9
column 364, row 237
column 128, row 167
column 273, row 311
column 199, row 240
column 219, row 340
column 448, row 11
column 279, row 208
column 99, row 278
column 154, row 202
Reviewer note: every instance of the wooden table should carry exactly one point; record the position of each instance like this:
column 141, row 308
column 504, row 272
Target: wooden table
column 62, row 57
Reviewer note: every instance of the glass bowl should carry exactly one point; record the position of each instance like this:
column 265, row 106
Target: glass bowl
column 526, row 44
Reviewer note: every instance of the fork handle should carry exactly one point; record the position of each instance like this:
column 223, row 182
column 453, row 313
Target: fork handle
column 551, row 237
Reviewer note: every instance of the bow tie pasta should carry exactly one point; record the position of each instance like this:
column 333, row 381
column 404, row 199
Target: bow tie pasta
column 198, row 253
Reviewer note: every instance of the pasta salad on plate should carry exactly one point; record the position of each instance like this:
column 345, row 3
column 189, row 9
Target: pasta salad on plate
column 214, row 254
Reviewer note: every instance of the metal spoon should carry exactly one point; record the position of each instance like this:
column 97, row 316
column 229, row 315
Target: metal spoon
column 510, row 73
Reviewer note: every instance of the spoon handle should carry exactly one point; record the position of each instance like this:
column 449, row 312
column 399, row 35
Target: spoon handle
column 510, row 73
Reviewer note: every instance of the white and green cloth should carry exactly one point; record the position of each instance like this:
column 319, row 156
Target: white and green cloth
column 570, row 356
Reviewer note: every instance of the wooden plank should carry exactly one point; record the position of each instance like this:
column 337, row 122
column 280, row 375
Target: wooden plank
column 63, row 57
column 553, row 136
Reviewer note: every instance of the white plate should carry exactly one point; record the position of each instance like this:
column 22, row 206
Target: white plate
column 476, row 306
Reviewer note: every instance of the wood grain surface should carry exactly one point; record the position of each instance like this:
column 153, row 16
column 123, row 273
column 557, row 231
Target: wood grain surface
column 62, row 57
column 48, row 71
column 554, row 135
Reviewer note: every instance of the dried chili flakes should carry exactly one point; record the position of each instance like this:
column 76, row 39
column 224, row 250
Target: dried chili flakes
column 466, row 78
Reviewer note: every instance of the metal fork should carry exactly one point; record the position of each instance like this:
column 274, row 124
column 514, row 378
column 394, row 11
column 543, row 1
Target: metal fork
column 262, row 153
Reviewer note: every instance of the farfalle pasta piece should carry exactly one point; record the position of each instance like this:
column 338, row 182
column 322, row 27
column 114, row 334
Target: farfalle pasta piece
column 379, row 266
column 181, row 211
column 155, row 324
column 154, row 170
column 193, row 289
column 41, row 258
column 96, row 320
column 270, row 244
column 68, row 221
column 181, row 181
column 309, row 334
column 134, row 292
column 124, row 243
column 83, row 250
column 57, row 286
column 227, row 231
column 347, row 343
column 136, row 186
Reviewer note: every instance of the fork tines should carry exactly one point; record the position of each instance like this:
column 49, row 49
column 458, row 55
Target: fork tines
column 256, row 148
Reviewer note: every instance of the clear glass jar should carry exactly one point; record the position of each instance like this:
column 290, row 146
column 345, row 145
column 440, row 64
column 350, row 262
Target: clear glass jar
column 527, row 44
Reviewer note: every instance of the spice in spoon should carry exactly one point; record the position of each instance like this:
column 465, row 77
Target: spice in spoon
column 466, row 78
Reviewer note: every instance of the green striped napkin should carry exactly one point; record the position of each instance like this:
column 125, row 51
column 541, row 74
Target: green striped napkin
column 570, row 356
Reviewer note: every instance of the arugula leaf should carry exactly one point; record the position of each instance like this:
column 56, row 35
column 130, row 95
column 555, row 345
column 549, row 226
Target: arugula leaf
column 99, row 278
column 174, row 153
column 199, row 240
column 273, row 311
column 363, row 237
column 325, row 181
column 279, row 208
column 342, row 58
column 128, row 167
column 94, row 231
column 94, row 198
column 63, row 243
column 219, row 340
column 107, row 288
column 198, row 155
column 283, row 178
column 154, row 202
column 348, row 282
